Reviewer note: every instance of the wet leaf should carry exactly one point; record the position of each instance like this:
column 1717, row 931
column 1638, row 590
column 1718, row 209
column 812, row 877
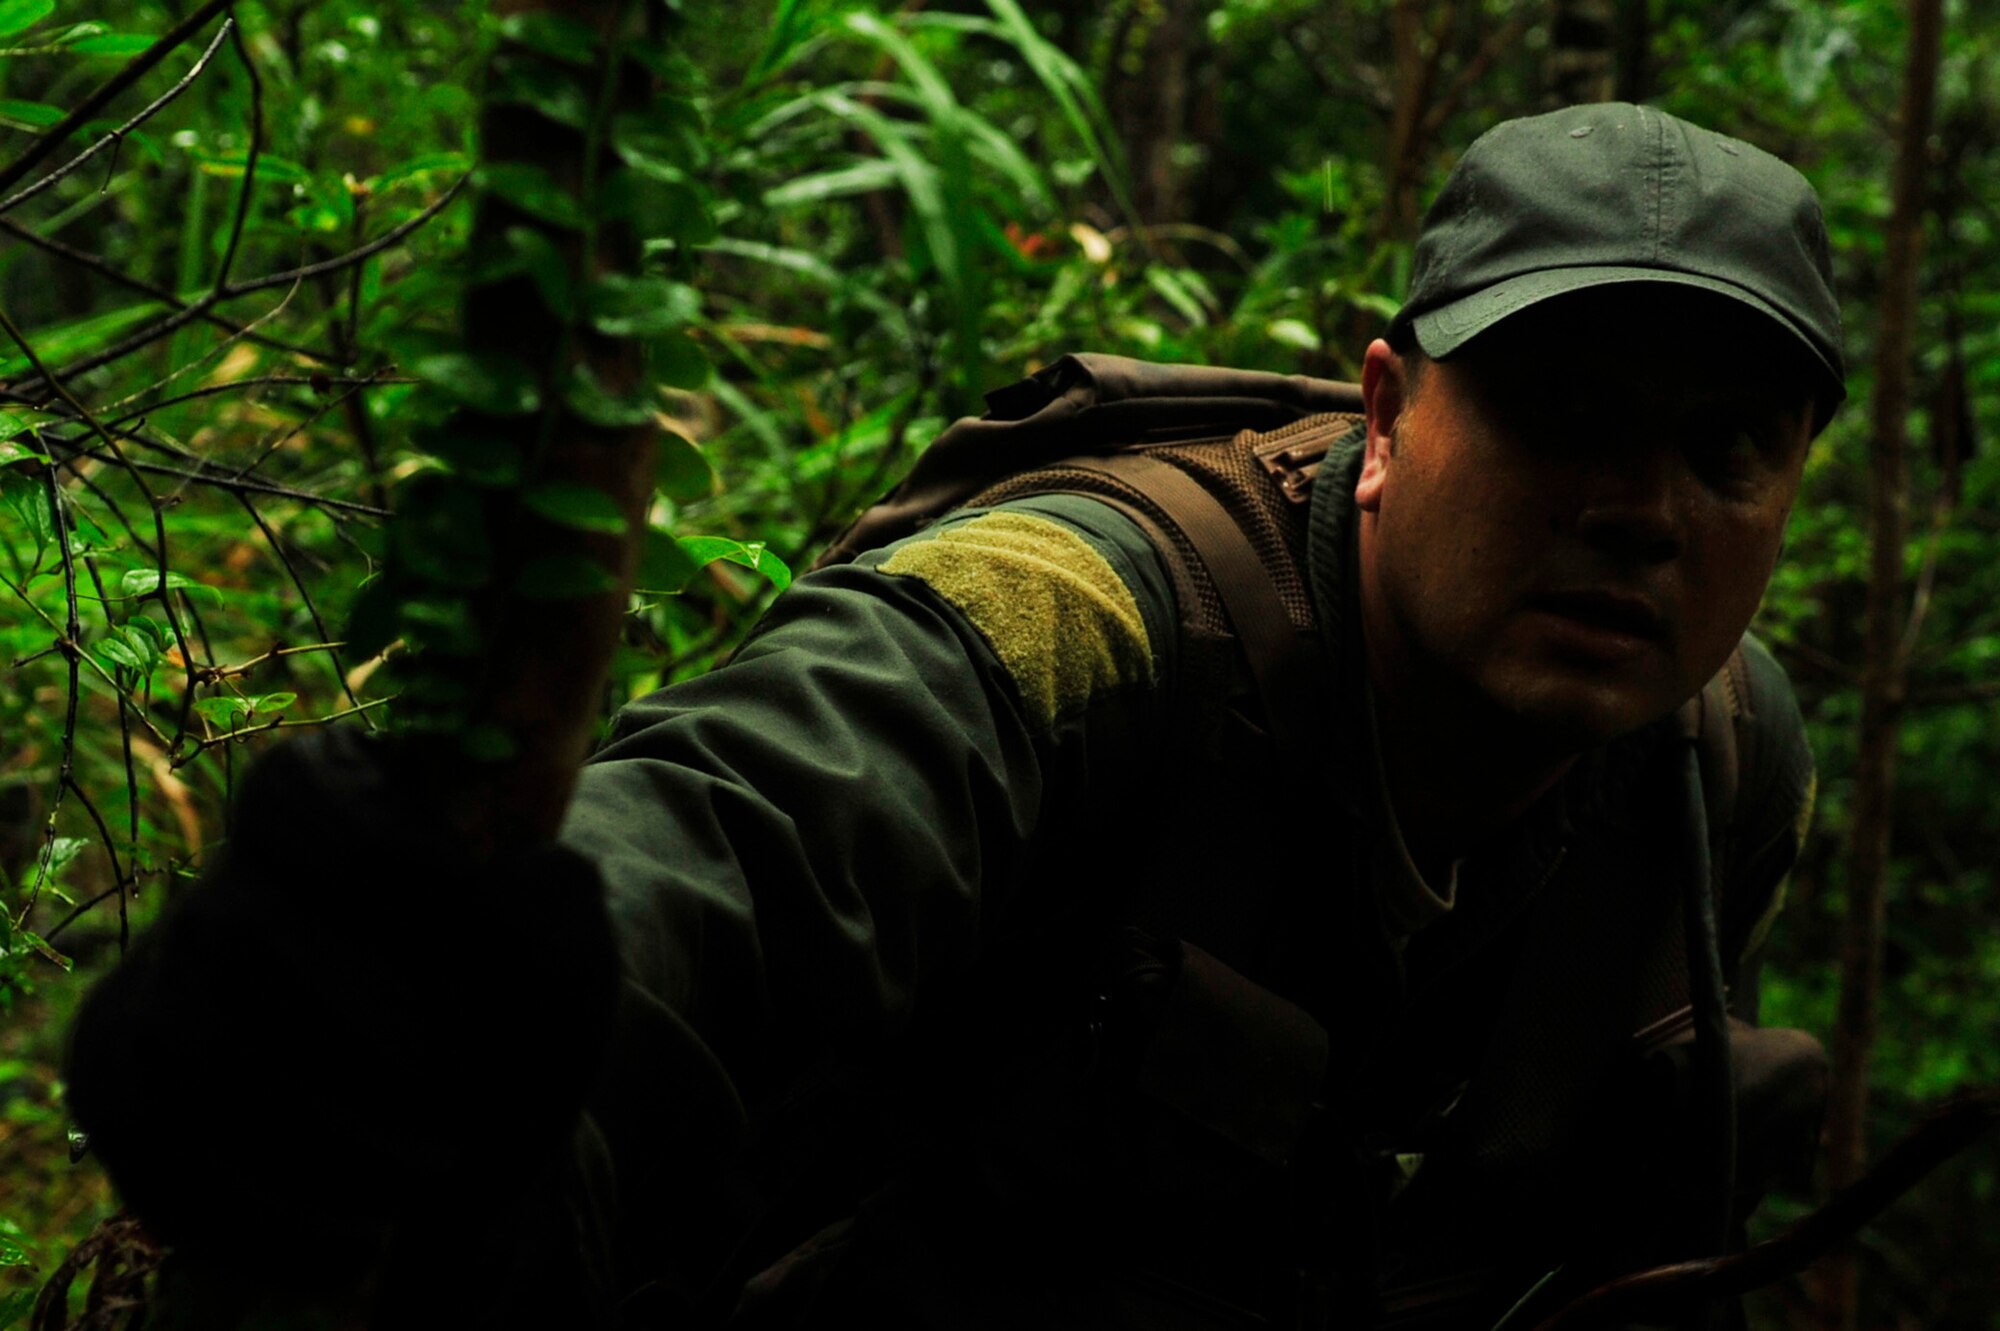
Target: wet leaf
column 684, row 473
column 754, row 555
column 583, row 507
column 490, row 384
column 588, row 398
column 20, row 15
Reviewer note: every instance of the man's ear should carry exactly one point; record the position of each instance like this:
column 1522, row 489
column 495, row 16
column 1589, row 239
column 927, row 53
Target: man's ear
column 1384, row 392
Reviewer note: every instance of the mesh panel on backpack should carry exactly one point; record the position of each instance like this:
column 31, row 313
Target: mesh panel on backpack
column 1234, row 471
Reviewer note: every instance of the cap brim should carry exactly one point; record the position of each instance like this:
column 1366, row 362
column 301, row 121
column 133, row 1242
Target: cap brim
column 1442, row 331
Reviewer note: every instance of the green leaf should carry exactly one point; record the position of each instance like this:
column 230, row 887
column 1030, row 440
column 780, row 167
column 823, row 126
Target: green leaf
column 142, row 646
column 12, row 452
column 273, row 703
column 584, row 507
column 20, row 15
column 29, row 115
column 441, row 626
column 664, row 568
column 684, row 473
column 118, row 653
column 39, row 944
column 564, row 578
column 592, row 402
column 643, row 307
column 270, row 170
column 117, row 45
column 15, row 1306
column 13, row 1254
column 420, row 168
column 141, row 582
column 63, row 850
column 754, row 555
column 675, row 360
column 23, row 14
column 557, row 36
column 19, row 422
column 860, row 178
column 490, row 384
column 80, row 337
column 154, row 630
column 657, row 208
column 223, row 710
column 554, row 93
column 667, row 135
column 526, row 252
column 28, row 501
column 533, row 190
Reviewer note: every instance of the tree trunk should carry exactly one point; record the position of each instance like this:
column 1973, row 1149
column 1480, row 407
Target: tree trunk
column 1580, row 50
column 1151, row 82
column 1883, row 672
column 546, row 701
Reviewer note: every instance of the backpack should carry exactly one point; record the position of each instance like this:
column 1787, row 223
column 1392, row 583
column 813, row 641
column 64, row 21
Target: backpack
column 1205, row 461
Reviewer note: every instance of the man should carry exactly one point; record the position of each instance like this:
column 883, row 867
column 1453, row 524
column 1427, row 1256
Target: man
column 991, row 957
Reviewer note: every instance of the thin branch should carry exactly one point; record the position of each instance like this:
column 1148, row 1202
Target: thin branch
column 223, row 481
column 331, row 648
column 206, row 742
column 72, row 649
column 366, row 252
column 63, row 643
column 250, row 156
column 1469, row 74
column 200, row 308
column 116, row 136
column 112, row 273
column 88, row 109
column 159, row 515
column 1920, row 602
column 1674, row 1289
column 315, row 382
column 118, row 880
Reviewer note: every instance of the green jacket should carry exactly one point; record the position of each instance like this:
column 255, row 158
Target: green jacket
column 864, row 878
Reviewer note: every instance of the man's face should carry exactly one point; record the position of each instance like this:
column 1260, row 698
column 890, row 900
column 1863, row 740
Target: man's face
column 1571, row 522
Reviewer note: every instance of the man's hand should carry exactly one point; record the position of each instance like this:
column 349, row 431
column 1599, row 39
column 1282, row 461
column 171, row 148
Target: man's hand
column 347, row 1031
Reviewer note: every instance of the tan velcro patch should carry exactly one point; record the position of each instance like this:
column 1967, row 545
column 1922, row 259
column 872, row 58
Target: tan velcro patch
column 1059, row 617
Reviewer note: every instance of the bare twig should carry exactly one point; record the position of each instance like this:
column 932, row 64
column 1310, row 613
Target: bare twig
column 90, row 107
column 1670, row 1289
column 222, row 480
column 112, row 273
column 361, row 255
column 159, row 515
column 250, row 156
column 331, row 648
column 72, row 650
column 117, row 136
column 200, row 308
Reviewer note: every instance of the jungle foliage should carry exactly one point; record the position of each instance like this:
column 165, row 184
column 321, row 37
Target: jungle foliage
column 231, row 345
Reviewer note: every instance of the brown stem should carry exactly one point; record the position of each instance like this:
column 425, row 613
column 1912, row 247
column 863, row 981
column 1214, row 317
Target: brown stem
column 1884, row 670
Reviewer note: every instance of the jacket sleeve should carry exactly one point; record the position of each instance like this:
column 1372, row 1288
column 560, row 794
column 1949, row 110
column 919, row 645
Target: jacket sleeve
column 798, row 847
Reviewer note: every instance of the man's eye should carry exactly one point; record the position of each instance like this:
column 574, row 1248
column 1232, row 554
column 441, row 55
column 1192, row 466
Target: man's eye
column 1729, row 452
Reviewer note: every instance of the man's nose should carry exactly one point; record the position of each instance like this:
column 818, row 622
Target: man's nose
column 1633, row 500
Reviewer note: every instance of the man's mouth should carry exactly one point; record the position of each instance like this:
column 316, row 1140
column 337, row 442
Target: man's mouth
column 1608, row 626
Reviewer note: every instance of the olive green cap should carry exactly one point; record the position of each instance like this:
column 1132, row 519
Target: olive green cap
column 1609, row 192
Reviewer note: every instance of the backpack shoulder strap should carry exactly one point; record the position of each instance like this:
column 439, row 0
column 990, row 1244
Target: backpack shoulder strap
column 1084, row 404
column 1280, row 659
